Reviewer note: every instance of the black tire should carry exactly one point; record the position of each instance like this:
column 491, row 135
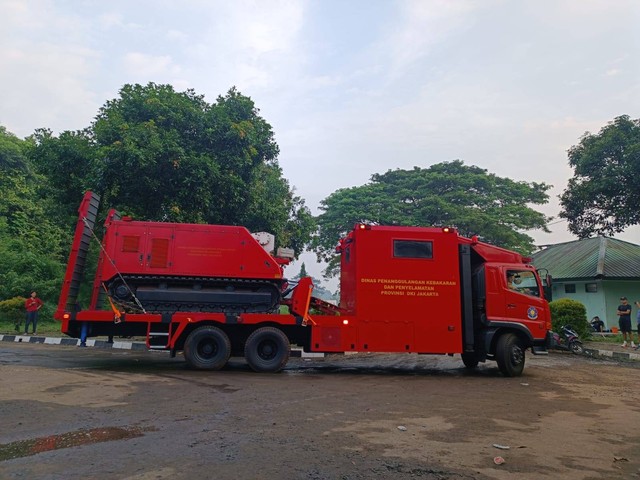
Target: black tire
column 510, row 355
column 267, row 350
column 470, row 360
column 576, row 347
column 207, row 348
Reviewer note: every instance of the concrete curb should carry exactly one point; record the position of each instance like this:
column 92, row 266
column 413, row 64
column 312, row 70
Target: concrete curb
column 123, row 345
column 593, row 352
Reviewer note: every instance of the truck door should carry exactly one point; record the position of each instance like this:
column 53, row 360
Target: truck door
column 158, row 251
column 522, row 297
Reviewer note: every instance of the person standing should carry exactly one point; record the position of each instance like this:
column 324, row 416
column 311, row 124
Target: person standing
column 32, row 305
column 638, row 323
column 624, row 314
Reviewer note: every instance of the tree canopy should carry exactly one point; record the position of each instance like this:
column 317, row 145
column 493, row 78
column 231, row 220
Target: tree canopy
column 445, row 194
column 603, row 195
column 162, row 155
column 152, row 153
column 31, row 243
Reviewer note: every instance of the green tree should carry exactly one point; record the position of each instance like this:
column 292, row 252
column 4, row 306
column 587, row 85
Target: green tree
column 303, row 271
column 446, row 194
column 70, row 164
column 162, row 155
column 604, row 193
column 32, row 244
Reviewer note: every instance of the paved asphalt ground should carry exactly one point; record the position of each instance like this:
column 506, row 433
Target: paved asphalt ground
column 601, row 349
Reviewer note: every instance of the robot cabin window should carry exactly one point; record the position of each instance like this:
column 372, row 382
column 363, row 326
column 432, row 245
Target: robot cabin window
column 412, row 249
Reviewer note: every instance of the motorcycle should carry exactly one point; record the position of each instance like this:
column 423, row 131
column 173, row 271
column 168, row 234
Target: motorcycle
column 567, row 339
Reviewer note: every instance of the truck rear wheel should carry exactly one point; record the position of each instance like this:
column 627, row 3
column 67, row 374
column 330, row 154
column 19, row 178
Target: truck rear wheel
column 510, row 355
column 207, row 348
column 267, row 350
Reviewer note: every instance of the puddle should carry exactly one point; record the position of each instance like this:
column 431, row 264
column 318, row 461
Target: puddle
column 26, row 448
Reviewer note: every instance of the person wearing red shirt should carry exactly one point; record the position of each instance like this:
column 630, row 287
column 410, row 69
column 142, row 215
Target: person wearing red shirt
column 32, row 305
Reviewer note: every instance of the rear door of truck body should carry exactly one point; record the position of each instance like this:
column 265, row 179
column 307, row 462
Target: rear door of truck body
column 405, row 289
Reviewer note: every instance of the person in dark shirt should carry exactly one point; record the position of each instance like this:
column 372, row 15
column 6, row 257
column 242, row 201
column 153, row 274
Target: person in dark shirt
column 624, row 314
column 638, row 323
column 597, row 324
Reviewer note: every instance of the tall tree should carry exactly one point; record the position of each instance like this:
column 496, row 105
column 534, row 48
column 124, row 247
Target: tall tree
column 163, row 155
column 31, row 242
column 604, row 193
column 446, row 194
column 69, row 163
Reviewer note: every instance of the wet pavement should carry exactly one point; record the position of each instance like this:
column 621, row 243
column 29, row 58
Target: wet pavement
column 92, row 413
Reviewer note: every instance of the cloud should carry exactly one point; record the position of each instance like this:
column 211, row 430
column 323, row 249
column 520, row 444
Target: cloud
column 421, row 27
column 45, row 69
column 115, row 20
column 250, row 44
column 141, row 65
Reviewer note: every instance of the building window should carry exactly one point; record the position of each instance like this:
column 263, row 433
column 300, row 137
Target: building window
column 591, row 287
column 569, row 288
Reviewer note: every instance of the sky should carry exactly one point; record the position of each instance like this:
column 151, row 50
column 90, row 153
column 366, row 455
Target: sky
column 351, row 88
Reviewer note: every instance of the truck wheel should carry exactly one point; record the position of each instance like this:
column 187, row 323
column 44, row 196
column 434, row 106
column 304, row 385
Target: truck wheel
column 470, row 360
column 510, row 355
column 207, row 348
column 267, row 350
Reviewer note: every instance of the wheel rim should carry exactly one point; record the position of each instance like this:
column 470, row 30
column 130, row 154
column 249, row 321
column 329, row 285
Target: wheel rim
column 267, row 350
column 207, row 349
column 517, row 355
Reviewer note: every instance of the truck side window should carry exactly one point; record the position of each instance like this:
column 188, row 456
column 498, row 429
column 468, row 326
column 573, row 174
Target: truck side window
column 523, row 281
column 412, row 249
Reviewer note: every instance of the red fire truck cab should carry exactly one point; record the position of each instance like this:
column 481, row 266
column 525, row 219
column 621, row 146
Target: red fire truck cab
column 217, row 291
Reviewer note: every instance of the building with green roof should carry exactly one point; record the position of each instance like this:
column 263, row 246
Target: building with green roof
column 596, row 272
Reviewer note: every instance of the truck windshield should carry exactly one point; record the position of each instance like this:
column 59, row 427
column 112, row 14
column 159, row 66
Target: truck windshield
column 523, row 281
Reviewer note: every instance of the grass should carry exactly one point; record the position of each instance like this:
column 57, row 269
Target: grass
column 46, row 327
column 613, row 339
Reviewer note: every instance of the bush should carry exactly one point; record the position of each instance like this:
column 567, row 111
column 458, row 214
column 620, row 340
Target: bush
column 12, row 310
column 565, row 311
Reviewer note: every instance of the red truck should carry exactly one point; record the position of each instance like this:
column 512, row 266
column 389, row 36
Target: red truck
column 215, row 291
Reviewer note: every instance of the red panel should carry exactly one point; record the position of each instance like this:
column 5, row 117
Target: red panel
column 186, row 249
column 386, row 336
column 159, row 253
column 333, row 334
column 131, row 243
column 403, row 300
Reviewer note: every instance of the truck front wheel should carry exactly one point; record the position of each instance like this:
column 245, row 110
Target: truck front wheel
column 207, row 348
column 510, row 355
column 267, row 350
